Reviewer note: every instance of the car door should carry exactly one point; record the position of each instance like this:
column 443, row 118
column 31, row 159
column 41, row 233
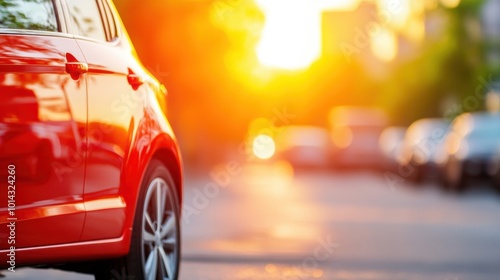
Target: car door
column 43, row 114
column 114, row 111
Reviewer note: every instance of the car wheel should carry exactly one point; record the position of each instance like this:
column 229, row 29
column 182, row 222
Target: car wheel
column 454, row 177
column 496, row 182
column 155, row 243
column 417, row 176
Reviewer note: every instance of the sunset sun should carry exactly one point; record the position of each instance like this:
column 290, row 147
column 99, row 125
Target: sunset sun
column 291, row 38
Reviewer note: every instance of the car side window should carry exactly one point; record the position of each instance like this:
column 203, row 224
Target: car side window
column 86, row 19
column 113, row 32
column 28, row 15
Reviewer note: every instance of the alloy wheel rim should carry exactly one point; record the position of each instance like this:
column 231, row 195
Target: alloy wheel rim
column 159, row 232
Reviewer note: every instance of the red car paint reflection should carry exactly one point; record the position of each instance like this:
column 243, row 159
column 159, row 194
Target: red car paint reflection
column 81, row 121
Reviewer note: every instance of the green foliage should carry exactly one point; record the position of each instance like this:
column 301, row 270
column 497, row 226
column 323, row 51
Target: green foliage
column 13, row 14
column 447, row 69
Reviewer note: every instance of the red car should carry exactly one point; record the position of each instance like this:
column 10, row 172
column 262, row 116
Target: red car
column 91, row 172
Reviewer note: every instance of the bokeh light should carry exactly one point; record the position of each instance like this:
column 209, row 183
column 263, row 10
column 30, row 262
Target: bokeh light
column 263, row 146
column 450, row 3
column 384, row 45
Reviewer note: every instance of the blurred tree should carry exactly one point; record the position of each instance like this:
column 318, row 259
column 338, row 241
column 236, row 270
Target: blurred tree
column 14, row 14
column 446, row 69
column 204, row 53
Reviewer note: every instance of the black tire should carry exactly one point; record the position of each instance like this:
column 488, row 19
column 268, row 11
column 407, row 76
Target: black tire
column 496, row 183
column 455, row 178
column 417, row 176
column 132, row 266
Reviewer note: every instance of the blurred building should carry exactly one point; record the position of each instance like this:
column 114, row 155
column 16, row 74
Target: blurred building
column 381, row 32
column 337, row 39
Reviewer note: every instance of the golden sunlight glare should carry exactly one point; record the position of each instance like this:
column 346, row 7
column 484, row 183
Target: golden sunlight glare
column 291, row 38
column 400, row 11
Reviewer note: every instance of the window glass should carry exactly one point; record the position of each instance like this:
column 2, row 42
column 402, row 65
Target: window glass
column 28, row 14
column 86, row 19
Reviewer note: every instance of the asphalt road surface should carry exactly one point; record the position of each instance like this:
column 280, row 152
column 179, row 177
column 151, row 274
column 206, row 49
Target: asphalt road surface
column 267, row 222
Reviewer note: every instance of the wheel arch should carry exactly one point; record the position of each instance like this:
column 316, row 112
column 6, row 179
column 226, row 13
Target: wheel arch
column 174, row 165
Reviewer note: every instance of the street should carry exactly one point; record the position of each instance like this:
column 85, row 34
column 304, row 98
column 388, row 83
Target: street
column 272, row 223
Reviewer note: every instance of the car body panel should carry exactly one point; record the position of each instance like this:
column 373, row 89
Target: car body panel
column 423, row 141
column 114, row 113
column 42, row 132
column 470, row 145
column 112, row 129
column 355, row 133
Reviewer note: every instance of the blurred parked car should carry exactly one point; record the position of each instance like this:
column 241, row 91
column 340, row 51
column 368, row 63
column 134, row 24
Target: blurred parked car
column 355, row 132
column 422, row 148
column 92, row 168
column 391, row 144
column 304, row 146
column 494, row 169
column 470, row 146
